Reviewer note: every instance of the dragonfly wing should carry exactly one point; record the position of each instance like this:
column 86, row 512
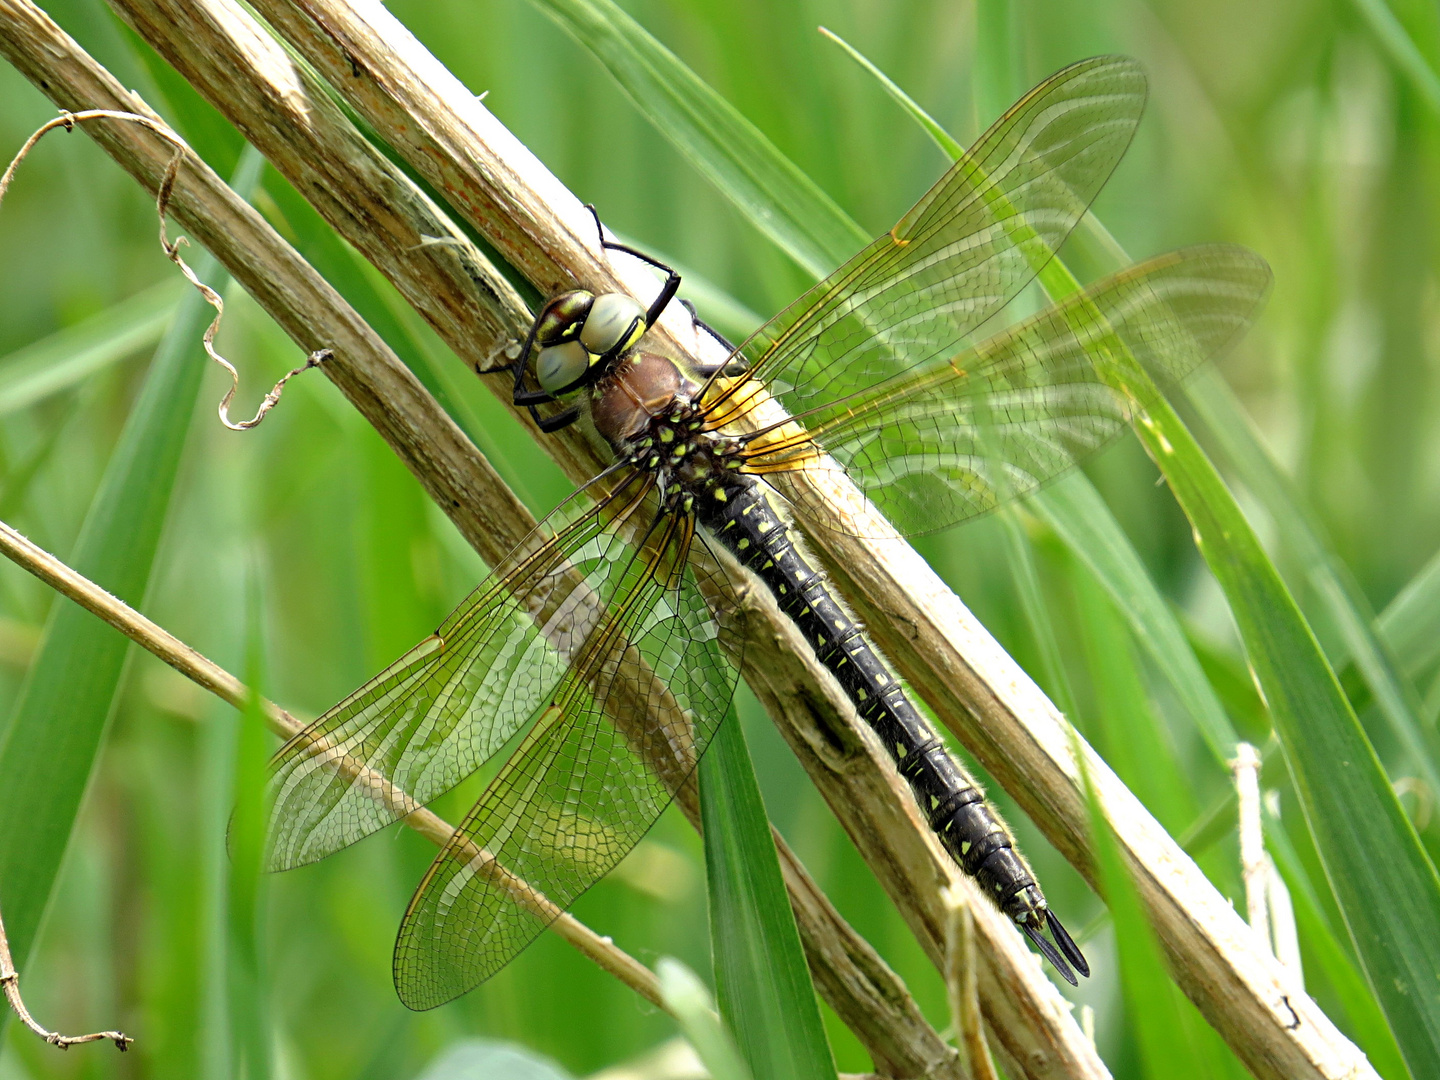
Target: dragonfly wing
column 942, row 444
column 430, row 719
column 622, row 733
column 961, row 254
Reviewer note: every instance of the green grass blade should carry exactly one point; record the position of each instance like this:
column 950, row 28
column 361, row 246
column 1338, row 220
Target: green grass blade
column 1377, row 675
column 1075, row 511
column 72, row 355
column 249, row 1013
column 1396, row 42
column 1410, row 623
column 686, row 998
column 1385, row 883
column 48, row 749
column 1126, row 727
column 761, row 978
column 780, row 200
column 1324, row 948
column 948, row 145
column 1020, row 557
column 1380, row 874
column 1237, row 440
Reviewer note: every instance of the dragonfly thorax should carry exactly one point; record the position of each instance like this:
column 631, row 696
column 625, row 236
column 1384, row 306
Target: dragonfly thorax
column 644, row 410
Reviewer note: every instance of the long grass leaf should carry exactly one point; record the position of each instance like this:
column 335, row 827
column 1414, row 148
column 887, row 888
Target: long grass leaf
column 1074, row 510
column 1399, row 704
column 1384, row 881
column 1395, row 41
column 688, row 1001
column 1410, row 623
column 1127, row 729
column 761, row 978
column 780, row 200
column 1381, row 876
column 248, row 999
column 72, row 355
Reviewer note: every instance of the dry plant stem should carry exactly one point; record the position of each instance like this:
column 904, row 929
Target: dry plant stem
column 1254, row 863
column 68, row 120
column 863, row 990
column 979, row 692
column 963, row 987
column 222, row 684
column 10, row 980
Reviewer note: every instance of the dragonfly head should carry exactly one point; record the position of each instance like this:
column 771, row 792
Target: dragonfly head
column 580, row 335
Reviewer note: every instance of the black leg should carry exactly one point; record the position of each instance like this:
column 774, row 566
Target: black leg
column 731, row 365
column 672, row 279
column 550, row 424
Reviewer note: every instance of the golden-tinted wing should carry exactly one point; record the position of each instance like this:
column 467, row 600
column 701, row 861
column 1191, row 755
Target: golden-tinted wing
column 965, row 250
column 430, row 719
column 936, row 446
column 619, row 736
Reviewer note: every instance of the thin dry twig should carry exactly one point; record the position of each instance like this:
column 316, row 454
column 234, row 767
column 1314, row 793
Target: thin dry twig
column 68, row 120
column 10, row 980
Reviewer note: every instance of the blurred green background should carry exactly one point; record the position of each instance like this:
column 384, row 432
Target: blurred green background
column 1290, row 126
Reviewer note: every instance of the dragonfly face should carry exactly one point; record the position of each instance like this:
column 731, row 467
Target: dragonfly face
column 580, row 335
column 600, row 637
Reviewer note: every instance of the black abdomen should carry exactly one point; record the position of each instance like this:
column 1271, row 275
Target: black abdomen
column 744, row 521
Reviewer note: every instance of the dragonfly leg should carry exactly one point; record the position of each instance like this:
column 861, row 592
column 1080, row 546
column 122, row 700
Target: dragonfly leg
column 550, row 424
column 731, row 365
column 666, row 294
column 672, row 278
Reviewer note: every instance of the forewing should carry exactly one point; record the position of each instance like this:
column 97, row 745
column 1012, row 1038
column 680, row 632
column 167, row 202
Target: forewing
column 940, row 445
column 964, row 251
column 623, row 732
column 430, row 719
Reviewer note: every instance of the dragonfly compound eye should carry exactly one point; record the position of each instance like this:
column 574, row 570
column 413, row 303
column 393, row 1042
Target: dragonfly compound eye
column 563, row 317
column 615, row 322
column 560, row 365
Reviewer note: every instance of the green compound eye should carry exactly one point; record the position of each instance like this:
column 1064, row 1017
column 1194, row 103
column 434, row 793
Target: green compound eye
column 562, row 318
column 615, row 322
column 560, row 365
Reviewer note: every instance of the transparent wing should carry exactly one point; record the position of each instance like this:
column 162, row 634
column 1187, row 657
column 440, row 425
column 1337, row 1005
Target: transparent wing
column 430, row 719
column 964, row 251
column 941, row 444
column 622, row 733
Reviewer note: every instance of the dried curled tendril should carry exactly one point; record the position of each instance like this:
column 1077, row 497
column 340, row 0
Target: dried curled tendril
column 68, row 120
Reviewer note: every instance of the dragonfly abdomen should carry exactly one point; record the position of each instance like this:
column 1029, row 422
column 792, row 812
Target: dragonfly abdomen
column 745, row 522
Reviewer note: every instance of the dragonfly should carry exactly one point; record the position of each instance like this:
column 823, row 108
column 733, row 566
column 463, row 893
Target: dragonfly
column 604, row 647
